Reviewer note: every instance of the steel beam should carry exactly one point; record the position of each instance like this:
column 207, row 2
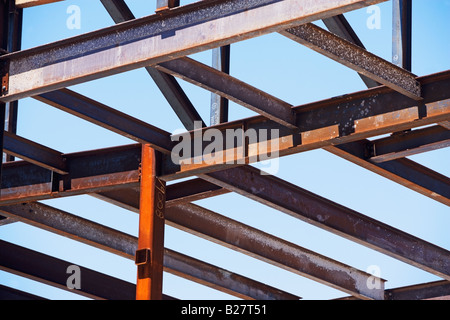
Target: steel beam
column 93, row 171
column 325, row 214
column 177, row 193
column 169, row 87
column 402, row 33
column 341, row 27
column 14, row 42
column 432, row 290
column 408, row 143
column 34, row 153
column 108, row 118
column 219, row 105
column 436, row 290
column 32, row 3
column 150, row 251
column 445, row 124
column 182, row 31
column 224, row 280
column 263, row 246
column 355, row 57
column 116, row 242
column 7, row 293
column 52, row 271
column 405, row 172
column 230, row 88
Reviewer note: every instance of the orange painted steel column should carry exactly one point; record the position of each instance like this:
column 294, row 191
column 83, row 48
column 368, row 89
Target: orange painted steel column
column 150, row 253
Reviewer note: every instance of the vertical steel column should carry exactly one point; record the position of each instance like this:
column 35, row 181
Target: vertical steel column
column 13, row 41
column 402, row 33
column 150, row 252
column 219, row 105
column 162, row 5
column 3, row 86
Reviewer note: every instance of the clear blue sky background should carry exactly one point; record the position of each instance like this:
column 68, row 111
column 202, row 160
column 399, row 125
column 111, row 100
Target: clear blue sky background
column 283, row 68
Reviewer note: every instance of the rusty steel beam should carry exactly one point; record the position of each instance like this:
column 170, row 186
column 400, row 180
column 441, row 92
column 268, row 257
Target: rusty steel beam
column 179, row 32
column 92, row 171
column 445, row 124
column 432, row 290
column 167, row 84
column 7, row 293
column 405, row 172
column 222, row 280
column 231, row 88
column 342, row 221
column 33, row 3
column 177, row 193
column 34, row 153
column 263, row 246
column 404, row 144
column 340, row 26
column 122, row 244
column 52, row 271
column 356, row 58
column 402, row 33
column 13, row 26
column 150, row 251
column 219, row 105
column 436, row 290
column 108, row 118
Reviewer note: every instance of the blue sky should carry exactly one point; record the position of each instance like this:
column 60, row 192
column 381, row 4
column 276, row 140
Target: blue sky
column 282, row 68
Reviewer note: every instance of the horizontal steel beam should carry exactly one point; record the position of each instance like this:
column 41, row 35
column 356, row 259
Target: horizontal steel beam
column 116, row 242
column 52, row 271
column 445, row 124
column 182, row 31
column 7, row 293
column 231, row 88
column 32, row 3
column 425, row 291
column 34, row 153
column 325, row 214
column 268, row 248
column 404, row 144
column 342, row 28
column 406, row 172
column 356, row 58
column 432, row 290
column 92, row 171
column 108, row 118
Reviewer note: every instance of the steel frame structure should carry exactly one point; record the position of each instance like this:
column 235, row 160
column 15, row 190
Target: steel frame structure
column 134, row 176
